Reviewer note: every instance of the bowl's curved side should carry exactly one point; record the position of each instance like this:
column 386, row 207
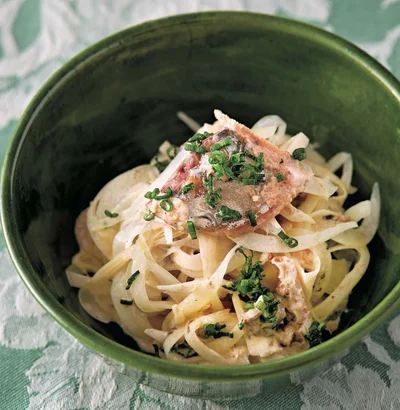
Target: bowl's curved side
column 109, row 348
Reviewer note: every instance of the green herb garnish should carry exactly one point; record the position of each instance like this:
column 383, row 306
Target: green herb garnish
column 238, row 167
column 155, row 194
column 195, row 148
column 299, row 154
column 317, row 334
column 291, row 242
column 172, row 151
column 149, row 215
column 126, row 302
column 152, row 194
column 212, row 198
column 184, row 350
column 160, row 165
column 185, row 189
column 166, row 205
column 280, row 177
column 251, row 289
column 219, row 145
column 111, row 214
column 217, row 158
column 198, row 137
column 248, row 284
column 252, row 218
column 191, row 229
column 214, row 330
column 228, row 214
column 131, row 280
column 268, row 305
column 260, row 161
column 220, row 170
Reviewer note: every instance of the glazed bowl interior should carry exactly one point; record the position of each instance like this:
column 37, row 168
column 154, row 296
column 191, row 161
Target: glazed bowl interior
column 110, row 107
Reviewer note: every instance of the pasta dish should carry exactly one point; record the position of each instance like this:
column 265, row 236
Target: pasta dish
column 234, row 248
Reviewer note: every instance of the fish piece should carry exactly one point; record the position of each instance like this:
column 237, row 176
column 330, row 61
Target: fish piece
column 236, row 177
column 292, row 294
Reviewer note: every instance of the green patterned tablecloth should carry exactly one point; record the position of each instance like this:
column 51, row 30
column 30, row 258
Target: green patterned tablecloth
column 41, row 365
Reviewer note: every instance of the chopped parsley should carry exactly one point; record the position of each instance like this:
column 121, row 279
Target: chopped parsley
column 248, row 284
column 111, row 214
column 184, row 350
column 252, row 218
column 131, row 280
column 268, row 306
column 280, row 177
column 126, row 302
column 214, row 330
column 228, row 214
column 299, row 154
column 291, row 242
column 149, row 215
column 191, row 229
column 317, row 334
column 253, row 292
column 185, row 189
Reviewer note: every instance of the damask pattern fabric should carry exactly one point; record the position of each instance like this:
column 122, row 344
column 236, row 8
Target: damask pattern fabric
column 41, row 365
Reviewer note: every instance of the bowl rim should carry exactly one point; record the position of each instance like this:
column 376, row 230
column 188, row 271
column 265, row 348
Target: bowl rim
column 138, row 360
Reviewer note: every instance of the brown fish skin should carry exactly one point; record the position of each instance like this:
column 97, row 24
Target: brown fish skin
column 265, row 200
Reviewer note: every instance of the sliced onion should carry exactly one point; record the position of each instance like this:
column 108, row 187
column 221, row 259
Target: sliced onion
column 218, row 276
column 342, row 159
column 279, row 137
column 330, row 304
column 172, row 339
column 197, row 345
column 134, row 327
column 157, row 335
column 293, row 214
column 88, row 301
column 320, row 187
column 273, row 244
column 300, row 140
column 359, row 211
column 187, row 287
column 186, row 261
column 76, row 279
column 369, row 226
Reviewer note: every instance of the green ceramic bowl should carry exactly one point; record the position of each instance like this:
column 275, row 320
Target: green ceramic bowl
column 109, row 108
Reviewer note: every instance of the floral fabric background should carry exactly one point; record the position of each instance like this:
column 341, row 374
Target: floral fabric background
column 41, row 365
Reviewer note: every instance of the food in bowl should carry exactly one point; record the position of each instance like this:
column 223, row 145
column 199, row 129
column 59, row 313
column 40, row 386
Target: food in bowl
column 234, row 248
